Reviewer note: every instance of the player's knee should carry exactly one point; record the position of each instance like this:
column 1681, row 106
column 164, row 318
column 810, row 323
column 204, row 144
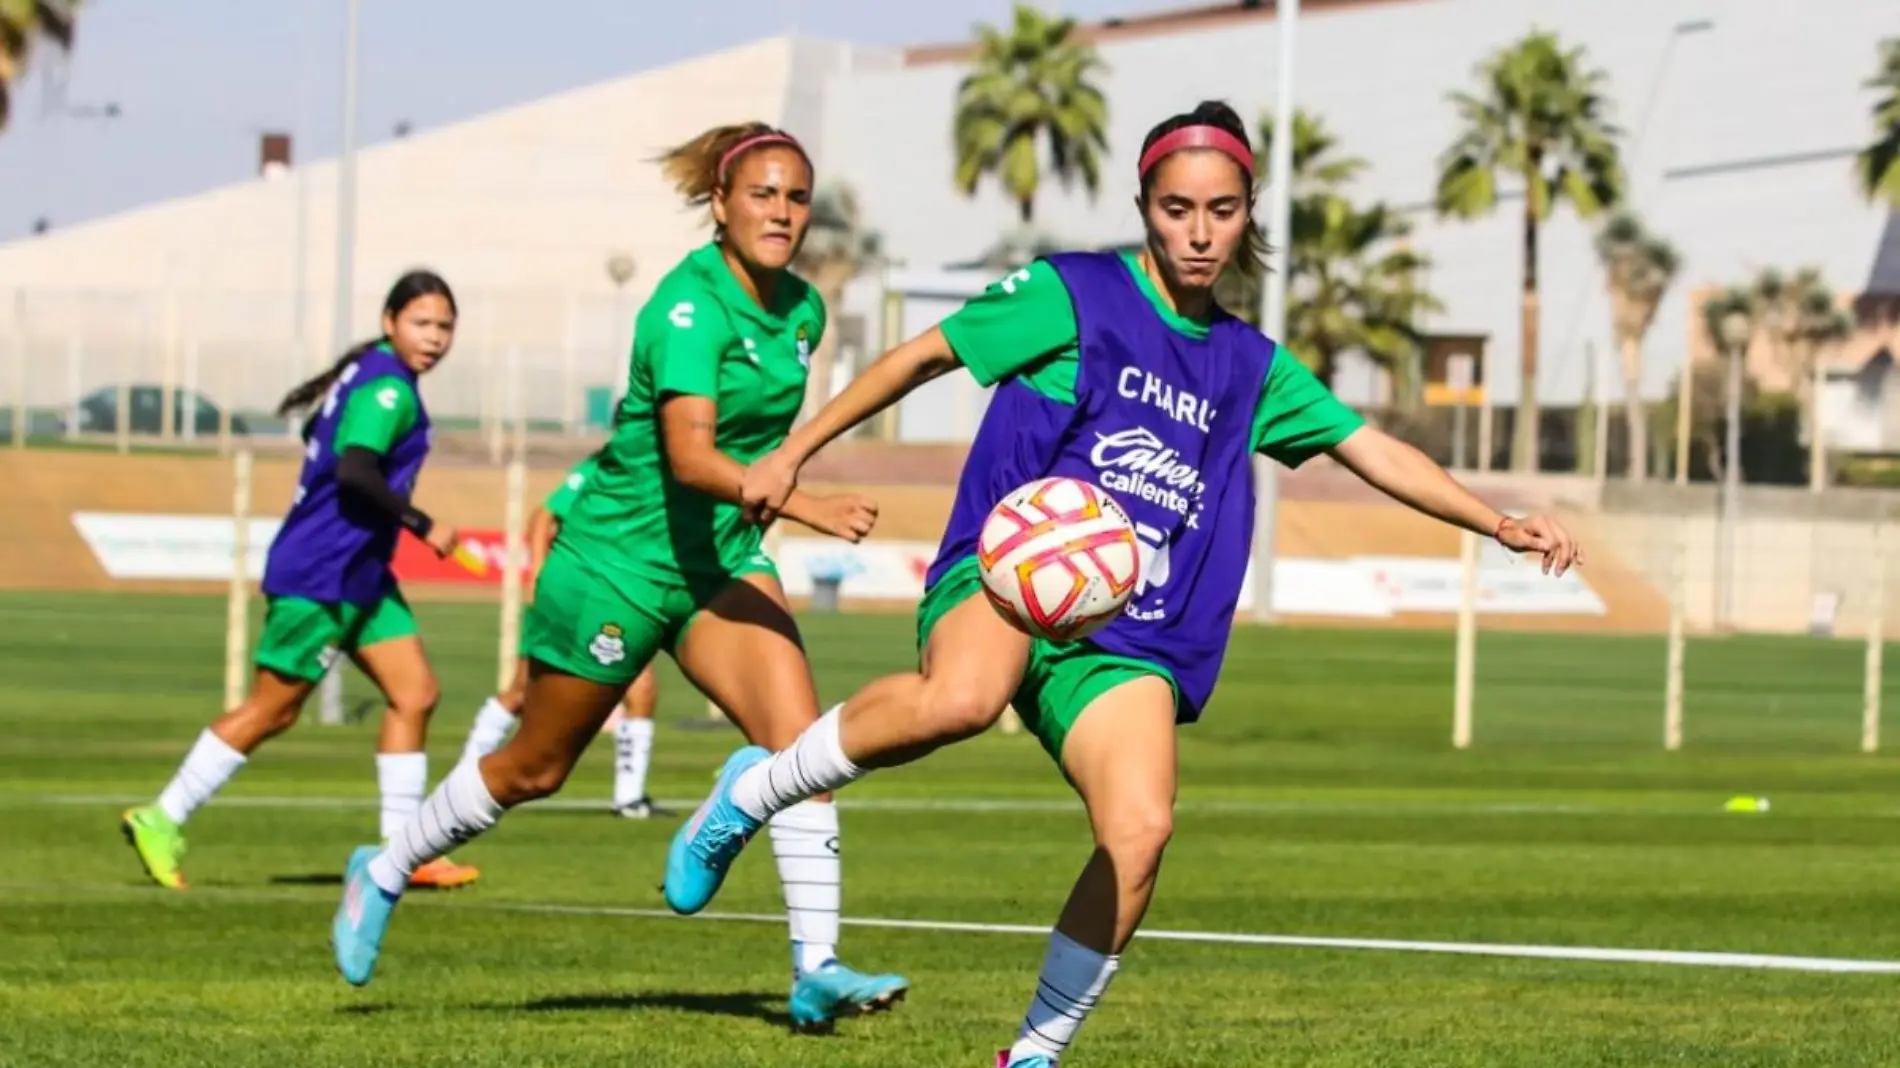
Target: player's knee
column 416, row 701
column 516, row 777
column 1135, row 837
column 959, row 710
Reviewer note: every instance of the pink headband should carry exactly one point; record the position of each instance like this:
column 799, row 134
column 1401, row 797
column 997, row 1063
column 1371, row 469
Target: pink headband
column 1198, row 137
column 755, row 141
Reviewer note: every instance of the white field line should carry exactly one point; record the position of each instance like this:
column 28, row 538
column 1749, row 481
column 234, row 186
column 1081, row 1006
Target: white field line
column 1588, row 954
column 1683, row 958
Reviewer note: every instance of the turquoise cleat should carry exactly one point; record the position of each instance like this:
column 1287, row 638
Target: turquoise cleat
column 356, row 934
column 705, row 847
column 1037, row 1061
column 820, row 997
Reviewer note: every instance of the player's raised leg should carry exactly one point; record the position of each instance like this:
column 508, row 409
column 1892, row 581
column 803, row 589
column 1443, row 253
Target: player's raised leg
column 633, row 748
column 743, row 650
column 392, row 655
column 575, row 626
column 1120, row 756
column 972, row 663
column 295, row 650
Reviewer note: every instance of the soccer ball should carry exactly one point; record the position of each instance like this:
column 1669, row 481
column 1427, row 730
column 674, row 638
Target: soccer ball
column 1059, row 558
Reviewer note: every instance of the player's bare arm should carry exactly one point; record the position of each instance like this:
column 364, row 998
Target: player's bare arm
column 1412, row 478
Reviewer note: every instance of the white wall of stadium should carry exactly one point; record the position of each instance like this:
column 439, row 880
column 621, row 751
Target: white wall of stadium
column 1740, row 117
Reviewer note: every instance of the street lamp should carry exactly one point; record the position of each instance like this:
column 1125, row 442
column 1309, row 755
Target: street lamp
column 1734, row 327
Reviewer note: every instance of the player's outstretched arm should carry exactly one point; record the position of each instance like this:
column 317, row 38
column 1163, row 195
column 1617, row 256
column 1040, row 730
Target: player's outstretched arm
column 687, row 426
column 1413, row 478
column 768, row 484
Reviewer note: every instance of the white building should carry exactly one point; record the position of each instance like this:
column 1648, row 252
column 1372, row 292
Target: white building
column 1741, row 118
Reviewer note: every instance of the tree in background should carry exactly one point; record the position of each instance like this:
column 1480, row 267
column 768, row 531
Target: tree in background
column 1539, row 119
column 1637, row 269
column 23, row 23
column 1351, row 279
column 1032, row 85
column 838, row 247
column 1878, row 165
column 1802, row 319
column 1708, row 405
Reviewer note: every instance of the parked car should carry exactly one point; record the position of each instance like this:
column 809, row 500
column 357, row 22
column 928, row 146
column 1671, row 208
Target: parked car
column 98, row 412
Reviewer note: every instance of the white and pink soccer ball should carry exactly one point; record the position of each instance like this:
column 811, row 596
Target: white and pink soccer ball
column 1059, row 558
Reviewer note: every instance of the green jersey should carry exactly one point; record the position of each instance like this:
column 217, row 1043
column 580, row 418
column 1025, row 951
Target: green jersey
column 376, row 416
column 561, row 501
column 699, row 335
column 1024, row 327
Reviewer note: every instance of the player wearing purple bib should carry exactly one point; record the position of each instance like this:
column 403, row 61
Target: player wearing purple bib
column 1120, row 370
column 328, row 581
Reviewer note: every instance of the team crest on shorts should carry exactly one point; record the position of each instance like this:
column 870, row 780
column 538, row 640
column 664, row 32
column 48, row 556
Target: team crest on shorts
column 608, row 646
column 803, row 338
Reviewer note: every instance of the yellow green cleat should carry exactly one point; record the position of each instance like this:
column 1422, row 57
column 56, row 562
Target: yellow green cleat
column 159, row 842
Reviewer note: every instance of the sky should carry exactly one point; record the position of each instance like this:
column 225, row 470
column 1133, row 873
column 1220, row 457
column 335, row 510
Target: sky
column 197, row 81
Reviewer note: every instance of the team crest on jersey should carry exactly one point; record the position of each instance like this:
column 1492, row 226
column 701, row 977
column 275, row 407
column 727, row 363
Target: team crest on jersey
column 803, row 339
column 608, row 647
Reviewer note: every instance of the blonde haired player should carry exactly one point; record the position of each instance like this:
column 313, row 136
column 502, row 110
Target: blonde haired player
column 631, row 723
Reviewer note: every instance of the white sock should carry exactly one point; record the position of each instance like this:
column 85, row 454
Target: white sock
column 460, row 809
column 206, row 769
column 492, row 724
column 633, row 751
column 814, row 764
column 403, row 778
column 805, row 845
column 1073, row 979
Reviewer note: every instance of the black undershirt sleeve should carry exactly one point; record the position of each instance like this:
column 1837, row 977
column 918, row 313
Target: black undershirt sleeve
column 359, row 473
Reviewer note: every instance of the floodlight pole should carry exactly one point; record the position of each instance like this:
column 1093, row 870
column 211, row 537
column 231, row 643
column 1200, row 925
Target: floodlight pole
column 1286, row 17
column 330, row 705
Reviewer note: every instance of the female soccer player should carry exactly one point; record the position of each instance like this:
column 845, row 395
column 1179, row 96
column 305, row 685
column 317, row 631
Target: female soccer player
column 328, row 583
column 655, row 555
column 1121, row 370
column 632, row 722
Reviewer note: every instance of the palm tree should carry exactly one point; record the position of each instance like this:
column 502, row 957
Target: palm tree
column 838, row 246
column 1878, row 165
column 1637, row 269
column 1539, row 116
column 1318, row 170
column 1350, row 278
column 1033, row 84
column 1734, row 303
column 22, row 22
column 1354, row 290
column 1801, row 316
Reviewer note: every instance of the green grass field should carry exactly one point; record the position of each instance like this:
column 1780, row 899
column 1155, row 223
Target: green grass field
column 1321, row 798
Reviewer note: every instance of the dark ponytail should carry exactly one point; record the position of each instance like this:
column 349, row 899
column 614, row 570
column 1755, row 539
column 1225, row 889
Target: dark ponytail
column 409, row 288
column 1215, row 113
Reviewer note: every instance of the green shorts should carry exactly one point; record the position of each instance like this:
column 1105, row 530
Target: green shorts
column 1062, row 677
column 607, row 632
column 302, row 637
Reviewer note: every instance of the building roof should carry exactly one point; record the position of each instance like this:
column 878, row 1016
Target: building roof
column 1198, row 19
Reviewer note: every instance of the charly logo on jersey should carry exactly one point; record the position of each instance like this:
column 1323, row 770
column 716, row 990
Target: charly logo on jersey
column 751, row 350
column 681, row 315
column 387, row 397
column 803, row 340
column 609, row 646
